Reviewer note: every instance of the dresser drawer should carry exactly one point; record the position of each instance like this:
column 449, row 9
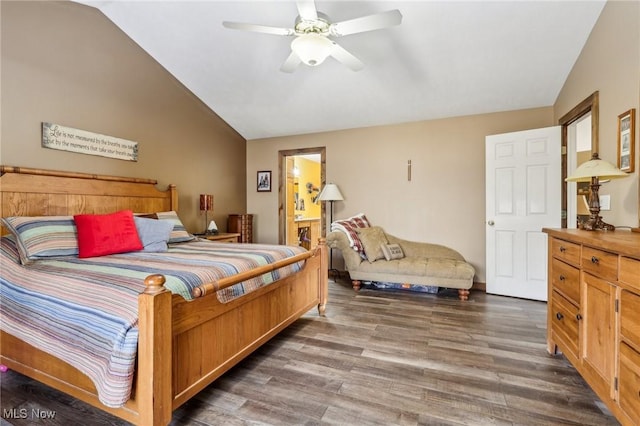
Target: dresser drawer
column 600, row 263
column 564, row 250
column 630, row 272
column 630, row 317
column 564, row 324
column 629, row 381
column 566, row 279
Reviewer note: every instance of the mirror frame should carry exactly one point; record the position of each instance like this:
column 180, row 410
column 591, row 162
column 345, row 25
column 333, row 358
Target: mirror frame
column 589, row 105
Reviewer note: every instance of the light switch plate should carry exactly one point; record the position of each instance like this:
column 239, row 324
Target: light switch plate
column 605, row 202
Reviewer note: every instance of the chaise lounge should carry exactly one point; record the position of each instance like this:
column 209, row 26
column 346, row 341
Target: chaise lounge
column 382, row 257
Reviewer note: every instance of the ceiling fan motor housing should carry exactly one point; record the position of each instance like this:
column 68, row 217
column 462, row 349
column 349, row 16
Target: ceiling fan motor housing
column 318, row 26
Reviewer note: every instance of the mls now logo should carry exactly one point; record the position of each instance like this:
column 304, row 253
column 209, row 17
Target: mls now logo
column 23, row 413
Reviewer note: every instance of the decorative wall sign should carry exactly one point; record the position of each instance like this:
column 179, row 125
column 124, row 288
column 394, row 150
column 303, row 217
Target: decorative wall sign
column 55, row 136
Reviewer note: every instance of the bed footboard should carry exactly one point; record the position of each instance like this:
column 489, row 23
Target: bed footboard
column 185, row 345
column 210, row 337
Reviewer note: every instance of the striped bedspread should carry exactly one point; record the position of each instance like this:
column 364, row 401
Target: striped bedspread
column 85, row 311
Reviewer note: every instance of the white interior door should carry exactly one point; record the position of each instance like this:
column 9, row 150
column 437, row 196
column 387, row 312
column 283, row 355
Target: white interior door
column 523, row 195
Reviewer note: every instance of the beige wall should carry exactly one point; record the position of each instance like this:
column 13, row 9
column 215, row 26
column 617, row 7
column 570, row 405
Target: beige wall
column 66, row 63
column 444, row 201
column 610, row 64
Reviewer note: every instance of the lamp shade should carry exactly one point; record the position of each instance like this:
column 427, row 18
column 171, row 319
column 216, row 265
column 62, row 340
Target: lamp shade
column 206, row 202
column 330, row 192
column 312, row 48
column 595, row 168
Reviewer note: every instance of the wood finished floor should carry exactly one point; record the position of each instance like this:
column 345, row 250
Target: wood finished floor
column 378, row 358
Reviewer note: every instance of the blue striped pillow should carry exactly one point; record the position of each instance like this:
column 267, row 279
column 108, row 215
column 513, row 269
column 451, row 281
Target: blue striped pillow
column 42, row 237
column 179, row 233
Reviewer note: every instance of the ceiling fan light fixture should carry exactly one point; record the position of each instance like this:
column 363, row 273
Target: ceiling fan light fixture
column 312, row 48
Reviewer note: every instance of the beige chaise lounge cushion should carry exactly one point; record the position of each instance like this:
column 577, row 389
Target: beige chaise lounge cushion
column 424, row 263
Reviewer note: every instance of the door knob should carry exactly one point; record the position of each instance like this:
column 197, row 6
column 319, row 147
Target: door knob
column 491, row 223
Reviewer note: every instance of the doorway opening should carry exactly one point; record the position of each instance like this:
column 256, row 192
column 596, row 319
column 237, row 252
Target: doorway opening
column 301, row 217
column 580, row 129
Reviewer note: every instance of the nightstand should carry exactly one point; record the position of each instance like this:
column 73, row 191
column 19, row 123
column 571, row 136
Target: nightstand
column 230, row 237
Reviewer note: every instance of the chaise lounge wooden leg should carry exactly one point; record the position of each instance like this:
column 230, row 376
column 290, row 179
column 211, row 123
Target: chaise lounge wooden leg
column 356, row 285
column 463, row 294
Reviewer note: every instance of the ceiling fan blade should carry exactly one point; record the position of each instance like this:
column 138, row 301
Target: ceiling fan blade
column 343, row 56
column 307, row 10
column 291, row 63
column 259, row 28
column 367, row 23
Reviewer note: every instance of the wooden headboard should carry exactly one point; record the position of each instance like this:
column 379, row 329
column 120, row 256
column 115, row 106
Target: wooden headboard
column 36, row 192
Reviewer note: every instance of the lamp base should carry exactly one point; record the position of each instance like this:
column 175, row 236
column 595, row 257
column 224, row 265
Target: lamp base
column 595, row 223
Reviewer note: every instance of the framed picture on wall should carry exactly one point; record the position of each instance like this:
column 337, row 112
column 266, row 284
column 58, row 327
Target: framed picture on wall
column 264, row 181
column 626, row 141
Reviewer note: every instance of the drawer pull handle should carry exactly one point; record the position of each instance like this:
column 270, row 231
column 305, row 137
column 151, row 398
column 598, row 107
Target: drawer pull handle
column 559, row 316
column 562, row 249
column 562, row 278
column 594, row 260
column 578, row 317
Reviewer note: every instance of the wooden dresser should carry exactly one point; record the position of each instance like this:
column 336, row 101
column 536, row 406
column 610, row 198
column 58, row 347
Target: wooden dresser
column 594, row 312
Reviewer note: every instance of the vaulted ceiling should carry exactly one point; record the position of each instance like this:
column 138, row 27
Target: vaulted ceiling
column 446, row 59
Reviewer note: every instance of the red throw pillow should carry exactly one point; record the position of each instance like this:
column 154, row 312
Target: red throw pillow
column 102, row 234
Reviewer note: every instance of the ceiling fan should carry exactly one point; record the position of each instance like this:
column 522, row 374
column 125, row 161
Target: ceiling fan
column 312, row 30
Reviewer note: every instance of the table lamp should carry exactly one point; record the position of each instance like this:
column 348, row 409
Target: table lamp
column 593, row 171
column 206, row 205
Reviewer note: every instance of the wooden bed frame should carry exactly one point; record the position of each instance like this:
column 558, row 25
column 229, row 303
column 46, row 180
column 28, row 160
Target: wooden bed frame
column 183, row 346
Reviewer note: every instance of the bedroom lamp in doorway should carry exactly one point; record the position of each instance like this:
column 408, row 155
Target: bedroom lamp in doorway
column 594, row 171
column 330, row 193
column 206, row 205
